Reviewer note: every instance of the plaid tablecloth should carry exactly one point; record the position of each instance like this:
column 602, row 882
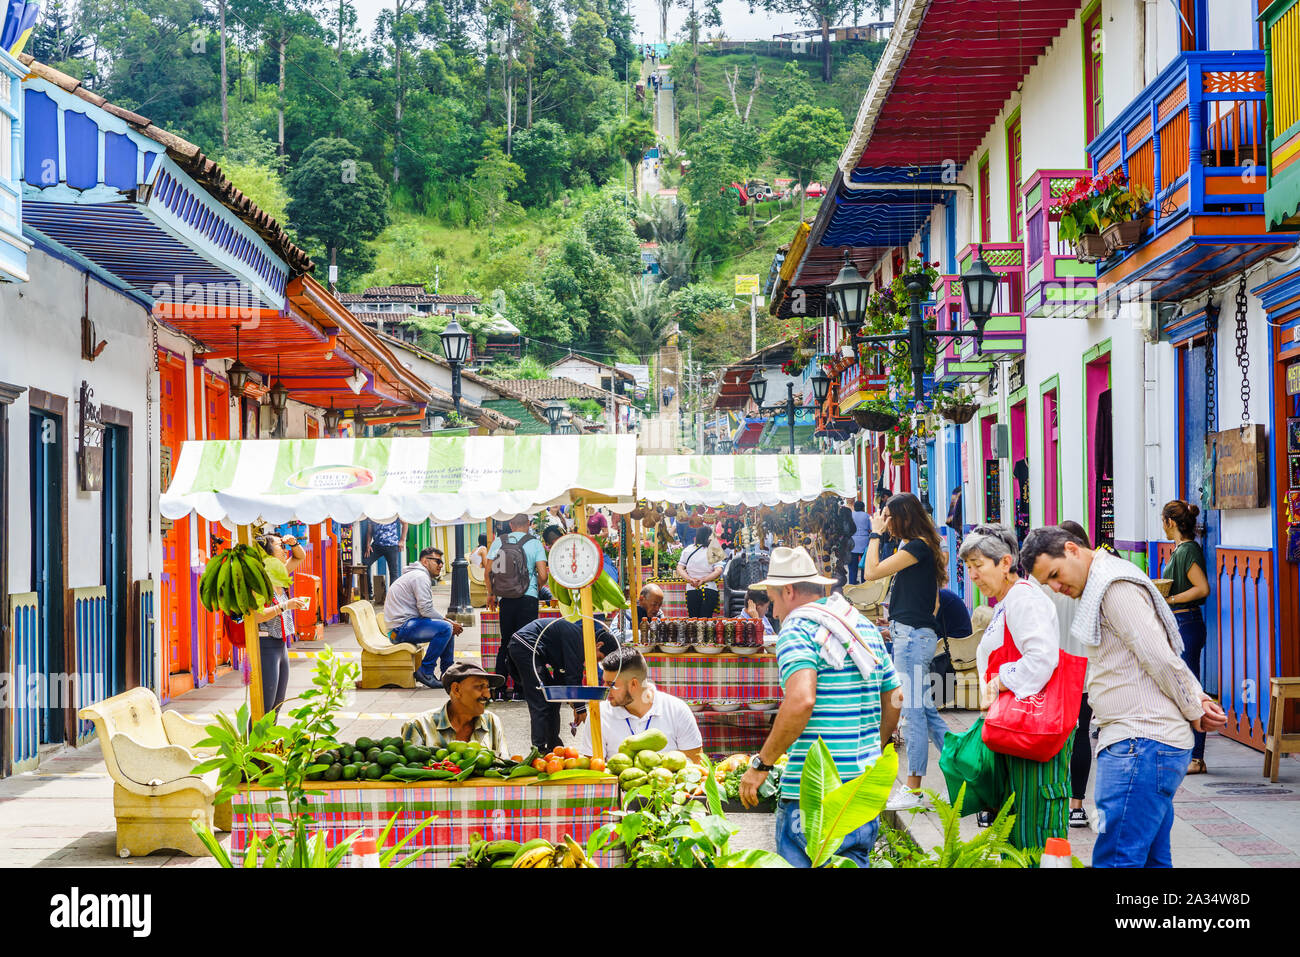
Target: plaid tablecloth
column 723, row 677
column 726, row 733
column 489, row 634
column 674, row 590
column 497, row 812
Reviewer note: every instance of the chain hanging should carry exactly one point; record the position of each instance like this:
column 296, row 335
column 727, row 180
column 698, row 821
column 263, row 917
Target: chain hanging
column 1211, row 398
column 1243, row 352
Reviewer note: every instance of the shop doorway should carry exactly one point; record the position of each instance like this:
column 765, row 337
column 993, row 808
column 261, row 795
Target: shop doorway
column 1051, row 458
column 1020, row 469
column 1191, row 482
column 47, row 565
column 174, row 603
column 113, row 550
column 1101, row 452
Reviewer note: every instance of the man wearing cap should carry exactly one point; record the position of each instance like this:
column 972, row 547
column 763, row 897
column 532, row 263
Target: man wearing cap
column 837, row 684
column 551, row 650
column 465, row 716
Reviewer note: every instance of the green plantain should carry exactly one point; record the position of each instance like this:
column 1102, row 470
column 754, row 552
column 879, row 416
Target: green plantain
column 225, row 590
column 243, row 600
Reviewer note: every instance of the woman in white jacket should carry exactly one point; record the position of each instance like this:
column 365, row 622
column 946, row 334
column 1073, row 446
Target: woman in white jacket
column 1026, row 618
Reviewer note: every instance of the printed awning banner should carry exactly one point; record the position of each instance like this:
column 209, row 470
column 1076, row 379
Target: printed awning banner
column 749, row 480
column 445, row 479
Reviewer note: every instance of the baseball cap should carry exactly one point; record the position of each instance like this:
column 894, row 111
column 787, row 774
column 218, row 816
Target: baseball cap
column 463, row 669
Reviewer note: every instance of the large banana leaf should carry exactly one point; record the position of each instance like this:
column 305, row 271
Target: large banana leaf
column 819, row 779
column 849, row 806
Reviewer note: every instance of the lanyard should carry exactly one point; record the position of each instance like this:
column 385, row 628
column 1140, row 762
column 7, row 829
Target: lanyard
column 632, row 730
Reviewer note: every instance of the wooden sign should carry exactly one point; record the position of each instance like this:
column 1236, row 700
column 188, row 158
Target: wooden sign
column 165, row 479
column 1240, row 468
column 1293, row 378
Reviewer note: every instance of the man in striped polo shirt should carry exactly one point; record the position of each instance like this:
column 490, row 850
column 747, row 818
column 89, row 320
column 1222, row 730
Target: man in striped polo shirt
column 835, row 687
column 1146, row 700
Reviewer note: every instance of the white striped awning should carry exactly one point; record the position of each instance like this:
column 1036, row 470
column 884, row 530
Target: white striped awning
column 443, row 479
column 749, row 480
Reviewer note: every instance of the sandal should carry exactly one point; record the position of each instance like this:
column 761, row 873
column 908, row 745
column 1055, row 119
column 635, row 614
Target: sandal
column 1196, row 766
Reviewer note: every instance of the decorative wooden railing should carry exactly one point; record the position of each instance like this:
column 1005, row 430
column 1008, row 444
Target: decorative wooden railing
column 168, row 612
column 949, row 366
column 858, row 384
column 1056, row 283
column 1247, row 643
column 146, row 628
column 1194, row 139
column 1004, row 334
column 23, row 665
column 1282, row 83
column 94, row 652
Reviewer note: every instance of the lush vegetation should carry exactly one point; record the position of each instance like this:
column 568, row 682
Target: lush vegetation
column 482, row 146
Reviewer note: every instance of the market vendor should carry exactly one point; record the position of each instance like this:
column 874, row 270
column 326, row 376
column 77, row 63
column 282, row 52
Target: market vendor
column 465, row 716
column 635, row 706
column 551, row 649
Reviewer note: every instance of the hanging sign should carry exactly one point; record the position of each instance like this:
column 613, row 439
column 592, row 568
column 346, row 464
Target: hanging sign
column 1240, row 468
column 747, row 285
column 1293, row 379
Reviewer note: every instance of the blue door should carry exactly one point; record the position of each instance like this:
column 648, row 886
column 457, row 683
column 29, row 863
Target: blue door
column 1192, row 377
column 113, row 550
column 46, row 448
column 952, row 480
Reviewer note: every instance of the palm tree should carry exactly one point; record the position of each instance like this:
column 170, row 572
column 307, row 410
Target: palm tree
column 644, row 323
column 674, row 264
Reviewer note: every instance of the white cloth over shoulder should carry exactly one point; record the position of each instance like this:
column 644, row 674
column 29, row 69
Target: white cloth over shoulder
column 1106, row 570
column 1031, row 618
column 837, row 619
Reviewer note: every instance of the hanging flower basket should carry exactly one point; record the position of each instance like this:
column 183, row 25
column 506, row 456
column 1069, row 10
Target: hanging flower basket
column 1091, row 248
column 1122, row 235
column 873, row 420
column 959, row 414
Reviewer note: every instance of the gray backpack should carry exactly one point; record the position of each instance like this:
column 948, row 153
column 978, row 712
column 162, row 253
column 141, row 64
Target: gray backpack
column 510, row 573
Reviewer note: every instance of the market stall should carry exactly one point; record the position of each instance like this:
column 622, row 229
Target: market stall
column 718, row 666
column 445, row 480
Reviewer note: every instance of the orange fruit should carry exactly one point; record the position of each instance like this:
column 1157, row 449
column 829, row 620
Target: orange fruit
column 517, row 758
column 553, row 766
column 539, row 765
column 598, row 764
column 570, row 763
column 584, row 763
column 571, row 753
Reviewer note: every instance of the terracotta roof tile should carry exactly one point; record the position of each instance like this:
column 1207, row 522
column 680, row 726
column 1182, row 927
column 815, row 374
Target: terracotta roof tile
column 544, row 390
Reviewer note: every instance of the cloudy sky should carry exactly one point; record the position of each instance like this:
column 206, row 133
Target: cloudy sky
column 736, row 18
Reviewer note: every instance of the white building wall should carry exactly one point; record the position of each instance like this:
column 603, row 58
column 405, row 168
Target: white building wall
column 576, row 370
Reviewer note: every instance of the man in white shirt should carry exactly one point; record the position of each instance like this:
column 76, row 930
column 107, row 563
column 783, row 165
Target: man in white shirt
column 635, row 705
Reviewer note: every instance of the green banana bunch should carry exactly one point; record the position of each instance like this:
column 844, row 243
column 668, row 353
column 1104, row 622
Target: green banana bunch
column 487, row 853
column 235, row 582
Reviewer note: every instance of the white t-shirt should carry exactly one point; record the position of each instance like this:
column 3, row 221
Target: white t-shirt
column 667, row 714
column 1031, row 618
column 695, row 559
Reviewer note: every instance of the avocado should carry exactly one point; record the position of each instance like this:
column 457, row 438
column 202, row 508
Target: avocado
column 386, row 759
column 334, row 772
column 372, row 754
column 374, row 772
column 392, row 749
column 364, row 744
column 652, row 739
column 350, row 771
column 347, row 750
column 441, row 754
column 394, row 741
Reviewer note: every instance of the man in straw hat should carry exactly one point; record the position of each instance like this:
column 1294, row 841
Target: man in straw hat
column 837, row 683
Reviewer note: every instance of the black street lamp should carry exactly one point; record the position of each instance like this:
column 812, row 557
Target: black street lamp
column 333, row 417
column 849, row 293
column 821, row 385
column 789, row 412
column 554, row 410
column 455, row 349
column 758, row 392
column 758, row 388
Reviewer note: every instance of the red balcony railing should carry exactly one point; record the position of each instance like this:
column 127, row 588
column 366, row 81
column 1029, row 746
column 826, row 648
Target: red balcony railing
column 1056, row 283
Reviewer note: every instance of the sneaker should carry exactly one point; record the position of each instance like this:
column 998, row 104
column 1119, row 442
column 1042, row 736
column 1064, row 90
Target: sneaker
column 905, row 799
column 425, row 679
column 1078, row 817
column 983, row 818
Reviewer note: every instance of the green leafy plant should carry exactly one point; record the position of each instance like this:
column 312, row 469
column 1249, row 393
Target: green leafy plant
column 832, row 810
column 991, row 848
column 270, row 755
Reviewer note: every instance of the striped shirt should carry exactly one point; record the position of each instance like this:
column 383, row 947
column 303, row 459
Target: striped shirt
column 1138, row 687
column 846, row 714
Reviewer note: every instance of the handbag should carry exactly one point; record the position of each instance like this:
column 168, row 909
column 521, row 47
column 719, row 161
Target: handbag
column 1037, row 727
column 234, row 630
column 944, row 677
column 965, row 759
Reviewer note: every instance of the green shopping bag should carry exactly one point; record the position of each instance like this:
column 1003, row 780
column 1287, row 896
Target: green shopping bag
column 966, row 759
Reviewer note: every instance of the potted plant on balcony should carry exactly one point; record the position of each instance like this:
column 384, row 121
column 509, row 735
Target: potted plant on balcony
column 1080, row 221
column 1119, row 204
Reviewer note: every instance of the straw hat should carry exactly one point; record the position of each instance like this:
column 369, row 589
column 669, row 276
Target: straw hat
column 791, row 565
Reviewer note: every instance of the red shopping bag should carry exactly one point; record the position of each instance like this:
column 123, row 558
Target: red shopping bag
column 1036, row 727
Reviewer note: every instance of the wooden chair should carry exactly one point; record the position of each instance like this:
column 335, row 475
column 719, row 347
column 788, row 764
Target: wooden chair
column 1276, row 744
column 150, row 756
column 356, row 583
column 383, row 663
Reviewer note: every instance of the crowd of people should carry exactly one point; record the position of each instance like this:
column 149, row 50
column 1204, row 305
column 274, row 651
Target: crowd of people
column 859, row 684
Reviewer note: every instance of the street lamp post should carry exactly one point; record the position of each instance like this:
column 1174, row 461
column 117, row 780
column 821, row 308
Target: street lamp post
column 554, row 410
column 455, row 349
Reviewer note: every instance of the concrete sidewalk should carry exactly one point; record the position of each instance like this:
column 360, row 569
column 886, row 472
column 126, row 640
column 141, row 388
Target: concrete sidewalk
column 61, row 815
column 1230, row 817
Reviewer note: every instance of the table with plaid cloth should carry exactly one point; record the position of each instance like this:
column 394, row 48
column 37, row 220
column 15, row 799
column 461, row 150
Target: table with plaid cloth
column 720, row 677
column 725, row 733
column 674, row 590
column 495, row 810
column 489, row 634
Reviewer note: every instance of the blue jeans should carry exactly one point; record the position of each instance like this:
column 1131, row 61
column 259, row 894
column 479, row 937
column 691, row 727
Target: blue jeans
column 1191, row 626
column 855, row 567
column 437, row 633
column 791, row 844
column 913, row 652
column 1136, row 782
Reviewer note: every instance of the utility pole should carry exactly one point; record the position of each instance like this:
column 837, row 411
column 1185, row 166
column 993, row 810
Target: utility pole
column 753, row 324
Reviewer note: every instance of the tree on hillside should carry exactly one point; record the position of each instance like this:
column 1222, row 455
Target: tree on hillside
column 733, row 79
column 543, row 155
column 822, row 14
column 688, row 304
column 609, row 230
column 804, row 139
column 791, row 85
column 633, row 138
column 494, row 177
column 643, row 321
column 851, row 82
column 338, row 202
column 720, row 153
column 534, row 310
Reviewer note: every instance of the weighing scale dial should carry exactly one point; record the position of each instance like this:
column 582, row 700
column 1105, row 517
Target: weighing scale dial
column 576, row 561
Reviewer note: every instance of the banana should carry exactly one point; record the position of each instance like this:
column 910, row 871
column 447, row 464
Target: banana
column 242, row 597
column 501, row 848
column 536, row 857
column 208, row 581
column 532, row 845
column 254, row 576
column 225, row 586
column 575, row 856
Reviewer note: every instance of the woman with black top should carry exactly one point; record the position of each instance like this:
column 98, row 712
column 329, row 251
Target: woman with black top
column 1186, row 596
column 919, row 572
column 701, row 574
column 275, row 623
